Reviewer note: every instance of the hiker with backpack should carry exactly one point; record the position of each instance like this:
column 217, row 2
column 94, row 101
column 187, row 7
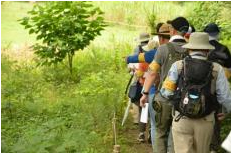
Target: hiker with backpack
column 166, row 54
column 164, row 36
column 140, row 73
column 137, row 85
column 162, row 31
column 221, row 53
column 222, row 56
column 194, row 85
column 142, row 40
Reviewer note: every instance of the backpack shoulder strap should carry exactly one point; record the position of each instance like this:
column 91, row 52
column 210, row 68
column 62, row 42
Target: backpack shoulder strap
column 171, row 48
column 174, row 53
column 180, row 65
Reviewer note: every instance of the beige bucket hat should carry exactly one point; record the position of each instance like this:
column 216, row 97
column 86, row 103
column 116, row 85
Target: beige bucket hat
column 143, row 37
column 199, row 40
column 151, row 45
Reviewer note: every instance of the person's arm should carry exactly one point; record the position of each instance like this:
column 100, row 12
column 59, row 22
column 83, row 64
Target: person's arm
column 147, row 85
column 151, row 77
column 141, row 57
column 154, row 69
column 228, row 60
column 149, row 56
column 223, row 90
column 170, row 83
column 132, row 59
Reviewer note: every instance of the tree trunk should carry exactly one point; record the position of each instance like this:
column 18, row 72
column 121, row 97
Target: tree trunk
column 70, row 61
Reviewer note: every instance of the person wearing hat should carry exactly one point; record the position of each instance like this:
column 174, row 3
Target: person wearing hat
column 221, row 53
column 166, row 54
column 194, row 134
column 148, row 49
column 146, row 56
column 163, row 37
column 162, row 30
column 141, row 73
column 142, row 40
column 163, row 34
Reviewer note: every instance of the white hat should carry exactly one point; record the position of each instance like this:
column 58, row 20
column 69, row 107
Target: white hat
column 151, row 45
column 199, row 40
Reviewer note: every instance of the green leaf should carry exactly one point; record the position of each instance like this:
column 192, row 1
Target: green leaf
column 31, row 31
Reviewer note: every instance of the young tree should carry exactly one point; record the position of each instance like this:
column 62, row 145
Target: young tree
column 151, row 18
column 64, row 27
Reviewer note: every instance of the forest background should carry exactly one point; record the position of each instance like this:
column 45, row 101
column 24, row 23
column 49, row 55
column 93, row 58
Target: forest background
column 45, row 109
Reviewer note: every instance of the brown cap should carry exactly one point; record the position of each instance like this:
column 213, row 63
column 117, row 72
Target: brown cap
column 163, row 30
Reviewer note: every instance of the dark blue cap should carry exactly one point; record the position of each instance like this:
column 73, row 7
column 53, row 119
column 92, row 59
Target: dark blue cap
column 180, row 24
column 212, row 29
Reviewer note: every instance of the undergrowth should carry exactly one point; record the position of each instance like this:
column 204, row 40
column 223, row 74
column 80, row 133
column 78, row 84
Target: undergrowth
column 47, row 110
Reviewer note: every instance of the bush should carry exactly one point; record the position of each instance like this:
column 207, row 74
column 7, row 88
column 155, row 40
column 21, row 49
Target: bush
column 213, row 11
column 44, row 111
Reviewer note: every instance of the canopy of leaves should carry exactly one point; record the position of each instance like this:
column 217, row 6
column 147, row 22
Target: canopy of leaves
column 63, row 27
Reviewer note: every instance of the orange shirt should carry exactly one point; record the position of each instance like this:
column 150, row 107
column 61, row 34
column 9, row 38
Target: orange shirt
column 142, row 68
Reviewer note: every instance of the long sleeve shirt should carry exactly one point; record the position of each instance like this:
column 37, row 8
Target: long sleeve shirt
column 142, row 57
column 222, row 85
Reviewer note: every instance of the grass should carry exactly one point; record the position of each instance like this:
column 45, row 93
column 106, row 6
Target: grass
column 134, row 12
column 73, row 113
column 12, row 33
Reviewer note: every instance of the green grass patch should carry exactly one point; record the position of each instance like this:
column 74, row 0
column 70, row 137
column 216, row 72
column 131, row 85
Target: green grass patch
column 12, row 33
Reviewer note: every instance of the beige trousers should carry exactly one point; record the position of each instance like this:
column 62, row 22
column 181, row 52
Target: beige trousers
column 192, row 135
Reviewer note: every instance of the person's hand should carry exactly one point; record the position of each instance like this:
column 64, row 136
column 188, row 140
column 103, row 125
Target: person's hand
column 143, row 100
column 220, row 116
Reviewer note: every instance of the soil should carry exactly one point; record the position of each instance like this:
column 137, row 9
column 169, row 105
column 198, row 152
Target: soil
column 127, row 138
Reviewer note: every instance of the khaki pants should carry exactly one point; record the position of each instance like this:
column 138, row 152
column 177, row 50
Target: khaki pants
column 193, row 135
column 163, row 121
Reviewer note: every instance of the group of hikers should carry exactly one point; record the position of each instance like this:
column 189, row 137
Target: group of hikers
column 184, row 77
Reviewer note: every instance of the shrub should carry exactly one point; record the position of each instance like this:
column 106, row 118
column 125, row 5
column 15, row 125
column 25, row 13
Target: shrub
column 64, row 28
column 217, row 12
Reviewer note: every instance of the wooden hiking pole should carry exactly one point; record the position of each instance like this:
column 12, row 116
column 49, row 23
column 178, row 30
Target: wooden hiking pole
column 116, row 148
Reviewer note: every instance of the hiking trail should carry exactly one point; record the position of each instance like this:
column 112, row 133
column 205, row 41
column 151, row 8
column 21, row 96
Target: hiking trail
column 127, row 138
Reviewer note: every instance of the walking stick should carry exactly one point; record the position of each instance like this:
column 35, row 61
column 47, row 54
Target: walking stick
column 129, row 103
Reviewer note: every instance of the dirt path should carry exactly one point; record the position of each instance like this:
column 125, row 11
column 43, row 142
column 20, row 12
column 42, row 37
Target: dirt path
column 127, row 138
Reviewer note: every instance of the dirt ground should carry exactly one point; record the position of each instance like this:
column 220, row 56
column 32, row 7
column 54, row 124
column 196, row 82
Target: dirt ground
column 127, row 138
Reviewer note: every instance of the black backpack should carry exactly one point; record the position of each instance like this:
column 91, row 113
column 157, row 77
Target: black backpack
column 193, row 96
column 220, row 54
column 135, row 92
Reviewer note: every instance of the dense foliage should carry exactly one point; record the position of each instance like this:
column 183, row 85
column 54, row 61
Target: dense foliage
column 44, row 111
column 64, row 28
column 213, row 12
